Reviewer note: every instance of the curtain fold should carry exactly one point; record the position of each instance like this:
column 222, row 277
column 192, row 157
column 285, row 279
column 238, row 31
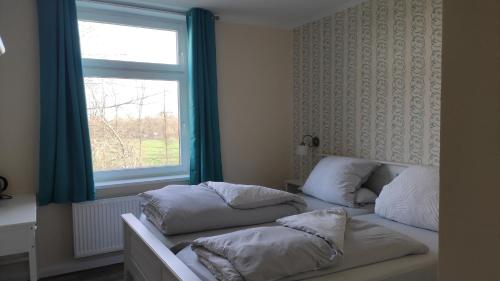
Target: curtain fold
column 205, row 160
column 65, row 160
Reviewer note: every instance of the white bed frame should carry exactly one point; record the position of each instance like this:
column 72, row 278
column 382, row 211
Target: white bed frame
column 146, row 258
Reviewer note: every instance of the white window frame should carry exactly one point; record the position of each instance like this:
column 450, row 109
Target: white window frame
column 104, row 13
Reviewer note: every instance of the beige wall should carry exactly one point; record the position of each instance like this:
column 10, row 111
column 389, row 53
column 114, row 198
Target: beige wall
column 18, row 101
column 19, row 94
column 254, row 73
column 254, row 90
column 470, row 211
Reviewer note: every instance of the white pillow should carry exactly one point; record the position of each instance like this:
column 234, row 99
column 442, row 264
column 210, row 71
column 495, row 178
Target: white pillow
column 335, row 179
column 365, row 196
column 412, row 198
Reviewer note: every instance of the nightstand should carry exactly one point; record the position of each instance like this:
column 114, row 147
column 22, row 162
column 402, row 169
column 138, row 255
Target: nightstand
column 293, row 185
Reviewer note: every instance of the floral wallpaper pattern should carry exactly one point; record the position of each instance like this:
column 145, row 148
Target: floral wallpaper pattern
column 367, row 81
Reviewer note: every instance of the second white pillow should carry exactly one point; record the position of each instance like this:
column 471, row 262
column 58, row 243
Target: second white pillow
column 412, row 198
column 335, row 179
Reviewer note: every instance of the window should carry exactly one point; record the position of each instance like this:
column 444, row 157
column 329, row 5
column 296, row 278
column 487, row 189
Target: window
column 134, row 69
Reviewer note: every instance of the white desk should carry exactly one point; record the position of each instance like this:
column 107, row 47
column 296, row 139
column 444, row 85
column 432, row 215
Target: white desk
column 18, row 228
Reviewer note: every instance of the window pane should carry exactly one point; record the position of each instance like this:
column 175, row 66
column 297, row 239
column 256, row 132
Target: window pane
column 127, row 43
column 133, row 123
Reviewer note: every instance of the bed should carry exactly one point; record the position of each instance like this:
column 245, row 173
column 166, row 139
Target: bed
column 148, row 256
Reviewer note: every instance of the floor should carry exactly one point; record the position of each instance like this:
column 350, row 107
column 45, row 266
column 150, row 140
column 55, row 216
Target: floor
column 107, row 273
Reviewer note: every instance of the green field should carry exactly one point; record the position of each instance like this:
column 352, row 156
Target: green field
column 153, row 152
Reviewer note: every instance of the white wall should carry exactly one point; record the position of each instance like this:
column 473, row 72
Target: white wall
column 254, row 97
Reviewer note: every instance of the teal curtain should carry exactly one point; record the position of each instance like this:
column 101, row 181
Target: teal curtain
column 65, row 161
column 206, row 163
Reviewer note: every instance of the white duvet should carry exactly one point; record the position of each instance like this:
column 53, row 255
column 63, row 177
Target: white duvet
column 241, row 196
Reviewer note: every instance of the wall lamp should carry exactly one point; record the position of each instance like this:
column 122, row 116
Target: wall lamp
column 2, row 47
column 308, row 141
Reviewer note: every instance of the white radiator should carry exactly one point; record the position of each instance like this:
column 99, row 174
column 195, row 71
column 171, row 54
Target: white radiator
column 97, row 225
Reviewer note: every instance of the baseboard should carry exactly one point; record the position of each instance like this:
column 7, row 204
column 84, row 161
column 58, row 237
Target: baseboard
column 79, row 265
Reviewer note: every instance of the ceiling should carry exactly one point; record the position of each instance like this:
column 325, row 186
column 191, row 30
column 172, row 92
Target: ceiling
column 277, row 13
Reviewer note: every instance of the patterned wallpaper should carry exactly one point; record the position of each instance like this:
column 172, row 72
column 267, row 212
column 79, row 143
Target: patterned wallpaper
column 367, row 81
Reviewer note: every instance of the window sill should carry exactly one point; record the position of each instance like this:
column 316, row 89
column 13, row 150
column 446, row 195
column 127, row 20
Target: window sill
column 109, row 189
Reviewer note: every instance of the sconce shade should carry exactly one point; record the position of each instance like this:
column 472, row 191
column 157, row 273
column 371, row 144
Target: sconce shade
column 2, row 47
column 302, row 149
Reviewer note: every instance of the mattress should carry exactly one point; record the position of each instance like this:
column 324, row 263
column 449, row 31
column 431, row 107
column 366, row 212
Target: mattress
column 312, row 204
column 408, row 268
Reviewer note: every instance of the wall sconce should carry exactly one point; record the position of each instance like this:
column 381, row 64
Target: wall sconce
column 2, row 47
column 307, row 142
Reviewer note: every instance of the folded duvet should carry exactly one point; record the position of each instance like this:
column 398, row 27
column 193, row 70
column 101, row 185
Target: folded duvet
column 301, row 243
column 181, row 209
column 301, row 246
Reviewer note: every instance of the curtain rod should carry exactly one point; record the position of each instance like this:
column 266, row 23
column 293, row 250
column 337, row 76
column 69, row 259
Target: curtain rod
column 139, row 6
